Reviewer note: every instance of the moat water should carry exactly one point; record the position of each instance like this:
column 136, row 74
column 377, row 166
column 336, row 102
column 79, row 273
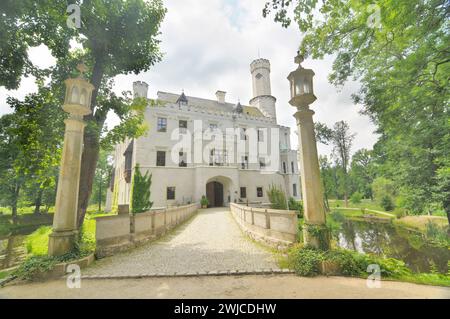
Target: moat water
column 382, row 238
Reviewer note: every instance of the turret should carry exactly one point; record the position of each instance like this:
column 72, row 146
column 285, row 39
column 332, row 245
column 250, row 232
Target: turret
column 262, row 92
column 140, row 89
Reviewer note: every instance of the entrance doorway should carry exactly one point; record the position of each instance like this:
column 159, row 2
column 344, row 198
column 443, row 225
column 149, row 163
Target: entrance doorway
column 214, row 193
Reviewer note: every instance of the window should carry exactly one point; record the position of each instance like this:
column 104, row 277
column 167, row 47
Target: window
column 162, row 124
column 260, row 135
column 262, row 163
column 128, row 162
column 259, row 76
column 294, row 190
column 284, row 168
column 182, row 125
column 292, row 167
column 243, row 192
column 160, row 158
column 259, row 191
column 243, row 134
column 244, row 163
column 182, row 159
column 213, row 127
column 170, row 193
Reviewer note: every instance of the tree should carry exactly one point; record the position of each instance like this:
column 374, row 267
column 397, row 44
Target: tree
column 341, row 139
column 11, row 180
column 402, row 63
column 362, row 172
column 384, row 191
column 101, row 179
column 117, row 37
column 39, row 141
column 327, row 179
column 277, row 198
column 140, row 196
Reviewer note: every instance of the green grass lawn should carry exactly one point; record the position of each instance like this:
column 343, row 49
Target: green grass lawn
column 367, row 203
column 37, row 242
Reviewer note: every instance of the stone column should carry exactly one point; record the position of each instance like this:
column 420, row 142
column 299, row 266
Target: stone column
column 315, row 232
column 64, row 233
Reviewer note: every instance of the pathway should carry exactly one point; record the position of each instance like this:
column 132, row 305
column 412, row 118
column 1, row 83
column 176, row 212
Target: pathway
column 242, row 287
column 211, row 241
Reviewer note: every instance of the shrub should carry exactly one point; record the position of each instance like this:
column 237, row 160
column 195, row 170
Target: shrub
column 277, row 197
column 295, row 205
column 349, row 263
column 356, row 198
column 140, row 198
column 204, row 201
column 383, row 187
column 306, row 261
column 387, row 203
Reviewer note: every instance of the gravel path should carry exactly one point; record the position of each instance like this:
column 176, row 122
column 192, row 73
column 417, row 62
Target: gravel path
column 242, row 287
column 211, row 241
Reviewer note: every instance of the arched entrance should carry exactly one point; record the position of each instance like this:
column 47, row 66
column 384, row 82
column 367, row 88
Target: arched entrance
column 214, row 193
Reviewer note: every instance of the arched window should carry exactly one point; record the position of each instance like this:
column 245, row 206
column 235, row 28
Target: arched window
column 74, row 97
column 83, row 97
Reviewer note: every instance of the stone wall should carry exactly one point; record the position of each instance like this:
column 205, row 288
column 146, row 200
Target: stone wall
column 277, row 228
column 120, row 232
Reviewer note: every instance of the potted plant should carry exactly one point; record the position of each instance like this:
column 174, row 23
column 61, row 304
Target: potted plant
column 204, row 202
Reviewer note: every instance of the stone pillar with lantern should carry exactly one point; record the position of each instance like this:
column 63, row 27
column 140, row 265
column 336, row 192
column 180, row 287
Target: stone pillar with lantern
column 77, row 104
column 315, row 232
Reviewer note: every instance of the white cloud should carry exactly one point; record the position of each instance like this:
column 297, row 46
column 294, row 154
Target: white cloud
column 209, row 45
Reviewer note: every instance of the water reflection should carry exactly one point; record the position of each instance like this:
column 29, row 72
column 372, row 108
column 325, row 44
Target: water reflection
column 385, row 239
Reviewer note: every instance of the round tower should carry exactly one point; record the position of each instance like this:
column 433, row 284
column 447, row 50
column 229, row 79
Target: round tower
column 262, row 92
column 140, row 89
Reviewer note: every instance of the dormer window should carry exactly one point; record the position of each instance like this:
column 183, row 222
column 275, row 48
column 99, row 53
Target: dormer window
column 182, row 100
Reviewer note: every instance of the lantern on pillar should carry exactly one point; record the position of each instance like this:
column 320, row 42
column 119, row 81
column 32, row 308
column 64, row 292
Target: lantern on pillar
column 78, row 94
column 315, row 231
column 77, row 103
column 301, row 84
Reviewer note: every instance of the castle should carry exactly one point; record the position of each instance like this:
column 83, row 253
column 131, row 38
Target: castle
column 198, row 147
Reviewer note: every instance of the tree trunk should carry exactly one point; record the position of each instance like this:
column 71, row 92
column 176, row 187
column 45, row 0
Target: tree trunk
column 91, row 144
column 100, row 195
column 88, row 165
column 446, row 205
column 38, row 201
column 14, row 200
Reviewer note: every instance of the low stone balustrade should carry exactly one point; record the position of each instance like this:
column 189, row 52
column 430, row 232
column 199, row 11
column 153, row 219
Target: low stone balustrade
column 120, row 232
column 277, row 228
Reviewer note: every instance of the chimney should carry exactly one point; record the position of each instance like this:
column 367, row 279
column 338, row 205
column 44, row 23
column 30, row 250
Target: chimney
column 221, row 96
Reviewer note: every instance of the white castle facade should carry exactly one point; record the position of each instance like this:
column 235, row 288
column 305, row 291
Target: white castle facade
column 197, row 147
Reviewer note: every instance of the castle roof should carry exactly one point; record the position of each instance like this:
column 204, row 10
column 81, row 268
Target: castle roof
column 206, row 104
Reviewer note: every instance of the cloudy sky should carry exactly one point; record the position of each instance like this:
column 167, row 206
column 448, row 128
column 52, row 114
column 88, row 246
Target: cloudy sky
column 209, row 45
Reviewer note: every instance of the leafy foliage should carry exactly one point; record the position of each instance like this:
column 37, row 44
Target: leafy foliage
column 356, row 198
column 116, row 37
column 204, row 201
column 141, row 191
column 296, row 205
column 277, row 197
column 402, row 64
